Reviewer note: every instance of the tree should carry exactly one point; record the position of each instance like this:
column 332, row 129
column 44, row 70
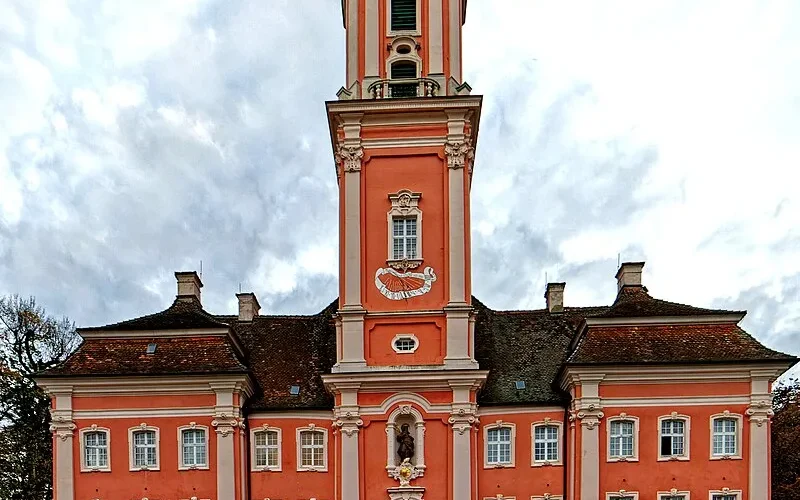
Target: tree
column 786, row 441
column 30, row 342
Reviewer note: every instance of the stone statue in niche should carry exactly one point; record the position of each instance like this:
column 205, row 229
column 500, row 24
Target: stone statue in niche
column 405, row 443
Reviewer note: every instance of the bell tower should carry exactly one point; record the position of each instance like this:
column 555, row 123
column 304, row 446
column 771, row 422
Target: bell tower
column 404, row 132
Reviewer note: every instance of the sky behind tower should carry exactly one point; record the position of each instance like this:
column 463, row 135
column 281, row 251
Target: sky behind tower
column 139, row 138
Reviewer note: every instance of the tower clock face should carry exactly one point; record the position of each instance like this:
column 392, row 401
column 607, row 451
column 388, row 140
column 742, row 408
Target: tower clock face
column 395, row 285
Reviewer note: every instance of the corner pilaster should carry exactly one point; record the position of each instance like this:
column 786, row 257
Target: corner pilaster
column 463, row 419
column 63, row 428
column 348, row 422
column 227, row 421
column 588, row 411
column 760, row 414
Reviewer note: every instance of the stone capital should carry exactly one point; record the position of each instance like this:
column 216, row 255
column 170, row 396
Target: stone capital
column 463, row 419
column 225, row 425
column 348, row 424
column 459, row 153
column 589, row 417
column 760, row 412
column 61, row 425
column 349, row 157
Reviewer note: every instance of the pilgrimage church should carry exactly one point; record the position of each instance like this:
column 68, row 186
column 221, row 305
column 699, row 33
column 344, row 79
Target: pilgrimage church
column 407, row 387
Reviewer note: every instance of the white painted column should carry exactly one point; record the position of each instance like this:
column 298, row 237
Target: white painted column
column 589, row 412
column 372, row 52
column 455, row 40
column 462, row 419
column 63, row 428
column 226, row 423
column 760, row 413
column 352, row 42
column 349, row 424
column 435, row 50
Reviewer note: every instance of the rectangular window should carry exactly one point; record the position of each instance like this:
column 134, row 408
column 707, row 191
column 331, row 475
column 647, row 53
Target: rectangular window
column 312, row 449
column 144, row 448
column 404, row 238
column 724, row 497
column 96, row 449
column 499, row 445
column 724, row 438
column 404, row 15
column 672, row 497
column 545, row 443
column 266, row 448
column 621, row 438
column 193, row 444
column 673, row 438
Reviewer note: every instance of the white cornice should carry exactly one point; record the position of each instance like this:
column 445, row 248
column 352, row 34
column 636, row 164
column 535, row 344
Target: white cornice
column 404, row 142
column 144, row 413
column 388, row 105
column 421, row 312
column 676, row 401
column 668, row 320
column 146, row 385
column 400, row 380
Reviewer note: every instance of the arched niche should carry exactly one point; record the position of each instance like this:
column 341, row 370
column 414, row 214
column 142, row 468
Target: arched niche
column 405, row 414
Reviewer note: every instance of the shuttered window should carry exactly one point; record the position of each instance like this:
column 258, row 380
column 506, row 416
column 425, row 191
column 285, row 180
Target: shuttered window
column 404, row 15
column 404, row 69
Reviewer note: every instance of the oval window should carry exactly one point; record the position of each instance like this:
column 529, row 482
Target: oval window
column 405, row 343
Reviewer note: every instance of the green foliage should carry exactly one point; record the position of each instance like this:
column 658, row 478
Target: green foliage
column 786, row 441
column 30, row 342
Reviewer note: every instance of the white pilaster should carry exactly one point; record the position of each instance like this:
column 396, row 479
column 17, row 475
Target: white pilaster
column 455, row 40
column 352, row 42
column 349, row 424
column 349, row 156
column 435, row 30
column 63, row 428
column 459, row 153
column 463, row 419
column 372, row 40
column 760, row 413
column 227, row 421
column 589, row 411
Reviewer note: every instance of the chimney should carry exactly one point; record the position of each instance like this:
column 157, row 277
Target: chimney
column 189, row 285
column 629, row 274
column 554, row 297
column 248, row 306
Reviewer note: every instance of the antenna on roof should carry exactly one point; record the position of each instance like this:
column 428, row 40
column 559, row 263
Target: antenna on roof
column 619, row 262
column 240, row 287
column 201, row 268
column 545, row 278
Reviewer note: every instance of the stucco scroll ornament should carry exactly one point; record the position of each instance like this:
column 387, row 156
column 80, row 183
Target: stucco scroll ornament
column 348, row 425
column 462, row 420
column 459, row 153
column 398, row 286
column 225, row 424
column 62, row 427
column 405, row 472
column 760, row 412
column 350, row 157
column 590, row 417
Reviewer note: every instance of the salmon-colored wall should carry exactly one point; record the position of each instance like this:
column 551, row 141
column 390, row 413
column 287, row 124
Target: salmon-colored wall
column 167, row 483
column 522, row 480
column 389, row 173
column 377, row 398
column 698, row 475
column 430, row 338
column 129, row 402
column 675, row 390
column 290, row 483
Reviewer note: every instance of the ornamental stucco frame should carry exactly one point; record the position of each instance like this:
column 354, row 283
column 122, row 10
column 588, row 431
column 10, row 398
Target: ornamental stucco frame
column 498, row 425
column 299, row 449
column 192, row 426
column 725, row 491
column 82, row 436
column 544, row 423
column 614, row 495
column 623, row 417
column 739, row 418
column 414, row 32
column 405, row 204
column 419, row 436
column 132, row 467
column 410, row 336
column 687, row 433
column 547, row 496
column 265, row 468
column 673, row 492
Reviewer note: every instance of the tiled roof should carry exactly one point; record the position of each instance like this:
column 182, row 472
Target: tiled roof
column 677, row 343
column 184, row 313
column 289, row 350
column 526, row 346
column 174, row 355
column 634, row 301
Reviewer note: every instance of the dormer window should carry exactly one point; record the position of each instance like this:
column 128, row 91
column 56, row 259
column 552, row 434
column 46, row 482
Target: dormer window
column 403, row 15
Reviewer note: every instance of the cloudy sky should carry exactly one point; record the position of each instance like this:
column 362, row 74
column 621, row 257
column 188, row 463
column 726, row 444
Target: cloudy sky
column 139, row 138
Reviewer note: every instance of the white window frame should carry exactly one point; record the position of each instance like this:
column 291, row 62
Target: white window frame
column 193, row 427
column 686, row 438
column 623, row 417
column 615, row 495
column 311, row 468
column 547, row 496
column 415, row 32
column 739, row 420
column 82, row 433
column 132, row 448
column 662, row 495
column 265, row 468
column 499, row 497
column 498, row 465
column 405, row 205
column 560, row 430
column 409, row 336
column 725, row 491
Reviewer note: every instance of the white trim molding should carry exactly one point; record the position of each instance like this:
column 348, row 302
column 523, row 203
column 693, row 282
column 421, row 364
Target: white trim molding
column 547, row 496
column 547, row 422
column 265, row 428
column 622, row 417
column 405, row 336
column 737, row 455
column 405, row 205
column 82, row 433
column 725, row 491
column 662, row 495
column 687, row 422
column 132, row 448
column 499, row 496
column 499, row 424
column 299, row 449
column 190, row 427
column 622, row 494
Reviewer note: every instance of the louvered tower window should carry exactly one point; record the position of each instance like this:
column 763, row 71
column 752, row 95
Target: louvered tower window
column 402, row 70
column 404, row 15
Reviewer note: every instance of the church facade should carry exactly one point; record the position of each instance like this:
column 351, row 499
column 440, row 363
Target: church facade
column 406, row 386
